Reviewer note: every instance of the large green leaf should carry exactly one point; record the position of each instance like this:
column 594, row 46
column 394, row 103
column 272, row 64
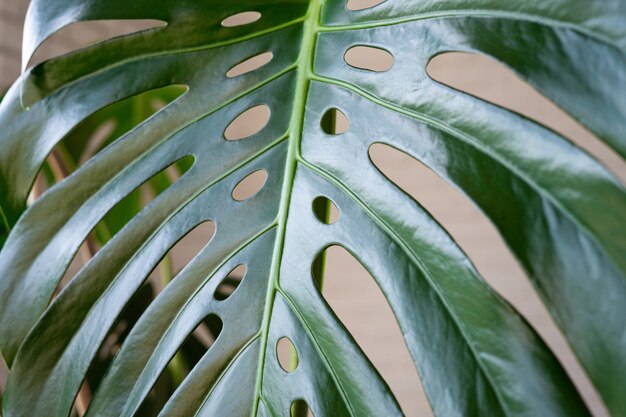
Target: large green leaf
column 558, row 209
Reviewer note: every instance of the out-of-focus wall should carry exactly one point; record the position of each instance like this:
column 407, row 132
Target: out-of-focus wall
column 11, row 20
column 349, row 289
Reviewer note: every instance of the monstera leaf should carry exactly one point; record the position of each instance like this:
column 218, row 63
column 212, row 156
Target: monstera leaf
column 560, row 211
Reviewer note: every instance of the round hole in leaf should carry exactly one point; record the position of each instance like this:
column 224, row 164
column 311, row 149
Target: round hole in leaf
column 300, row 408
column 355, row 5
column 325, row 210
column 250, row 64
column 248, row 123
column 241, row 19
column 182, row 253
column 208, row 330
column 369, row 58
column 286, row 354
column 230, row 283
column 335, row 122
column 250, row 185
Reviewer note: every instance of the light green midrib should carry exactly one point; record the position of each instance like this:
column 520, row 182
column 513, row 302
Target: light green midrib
column 295, row 135
column 305, row 71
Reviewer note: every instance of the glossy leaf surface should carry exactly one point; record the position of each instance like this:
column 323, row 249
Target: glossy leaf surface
column 558, row 209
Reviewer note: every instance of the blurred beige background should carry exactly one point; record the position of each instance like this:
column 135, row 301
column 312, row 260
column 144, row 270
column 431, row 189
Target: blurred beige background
column 348, row 287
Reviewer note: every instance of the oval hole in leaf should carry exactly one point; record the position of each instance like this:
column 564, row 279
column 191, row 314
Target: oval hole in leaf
column 230, row 283
column 325, row 210
column 355, row 297
column 299, row 408
column 250, row 185
column 485, row 78
column 369, row 58
column 355, row 5
column 240, row 19
column 335, row 122
column 248, row 123
column 182, row 363
column 250, row 64
column 286, row 354
column 80, row 35
column 483, row 244
column 120, row 214
column 181, row 253
column 200, row 340
column 208, row 331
